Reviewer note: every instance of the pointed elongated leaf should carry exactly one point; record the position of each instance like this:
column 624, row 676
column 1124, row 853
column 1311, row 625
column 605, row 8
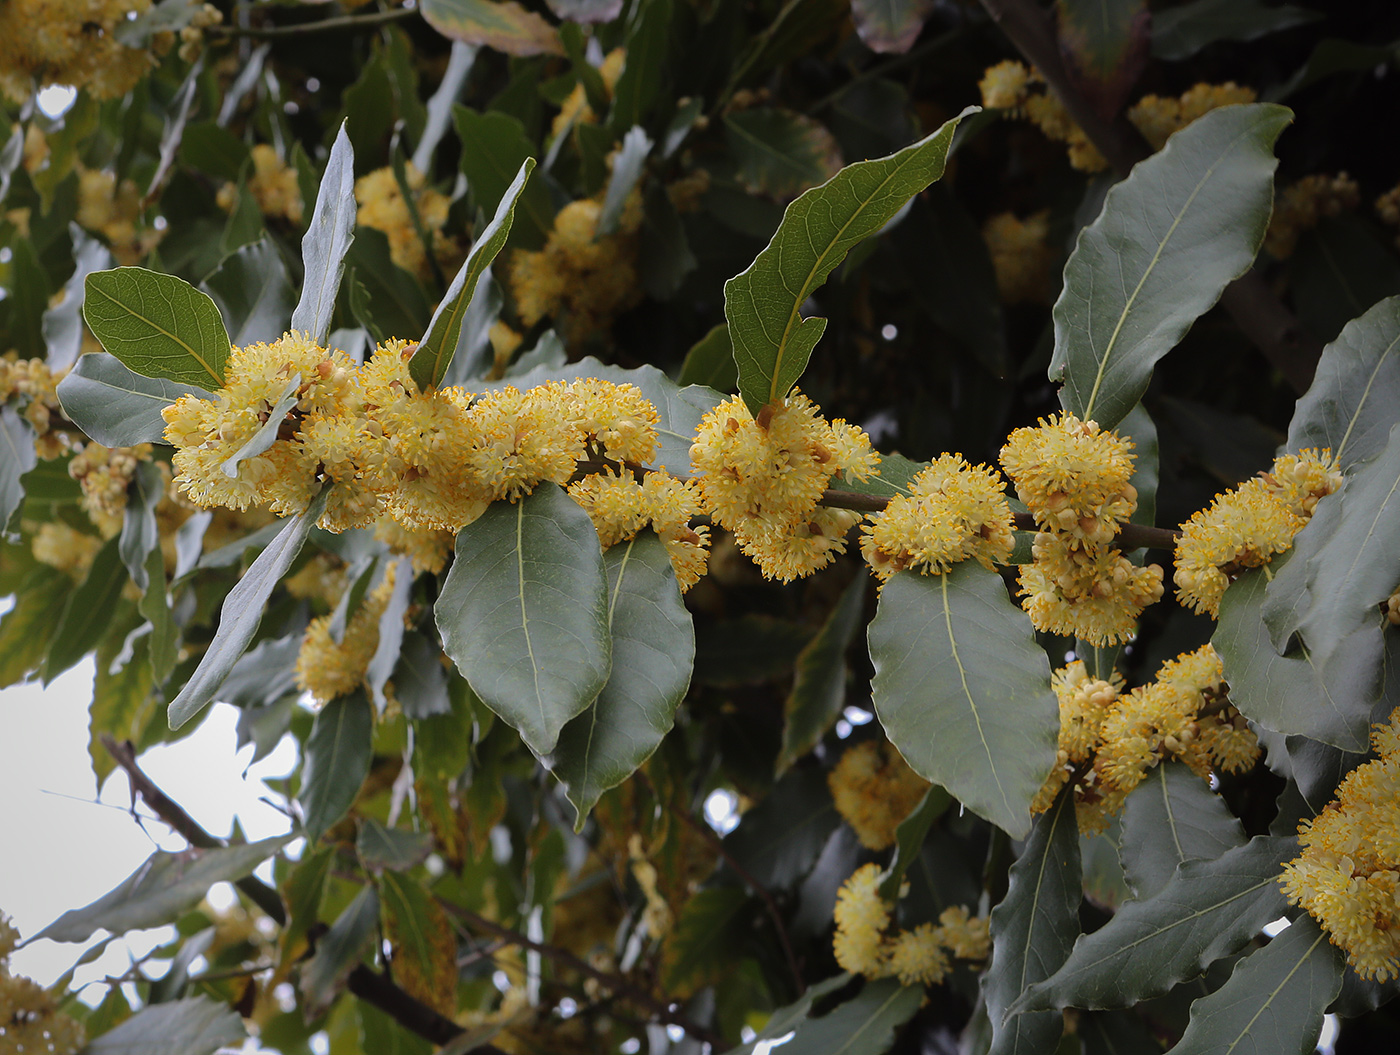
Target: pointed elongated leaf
column 420, row 683
column 500, row 24
column 266, row 435
column 339, row 951
column 1104, row 46
column 772, row 341
column 10, row 156
column 155, row 607
column 909, row 838
column 890, row 26
column 819, row 682
column 1207, row 910
column 122, row 702
column 963, row 690
column 17, row 457
column 780, row 153
column 117, row 406
column 253, row 293
column 1171, row 817
column 653, row 653
column 1274, row 1001
column 327, row 240
column 196, row 1026
column 88, row 611
column 864, row 1025
column 705, row 939
column 499, row 146
column 158, row 325
column 1033, row 929
column 627, row 170
column 242, row 612
column 1170, row 238
column 524, row 613
column 778, row 841
column 165, row 886
column 435, row 351
column 393, row 848
column 643, row 76
column 140, row 533
column 785, row 1019
column 28, row 627
column 1180, row 32
column 391, row 634
column 424, row 944
column 338, row 754
column 63, row 322
column 459, row 68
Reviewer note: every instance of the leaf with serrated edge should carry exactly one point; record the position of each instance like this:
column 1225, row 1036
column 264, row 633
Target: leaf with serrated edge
column 338, row 755
column 1171, row 817
column 242, row 612
column 1033, row 928
column 1183, row 225
column 439, row 344
column 1207, row 910
column 523, row 613
column 772, row 341
column 116, row 406
column 195, row 1026
column 963, row 690
column 326, row 241
column 653, row 652
column 1274, row 1001
column 819, row 680
column 158, row 325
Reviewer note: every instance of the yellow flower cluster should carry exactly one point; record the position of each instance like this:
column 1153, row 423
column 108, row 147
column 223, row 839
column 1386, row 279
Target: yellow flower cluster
column 322, row 578
column 1005, row 85
column 1392, row 608
column 874, row 789
column 104, row 473
column 1084, row 704
column 1348, row 875
column 383, row 206
column 1074, row 478
column 273, row 185
column 921, row 956
column 575, row 109
column 1245, row 527
column 65, row 548
column 426, row 548
column 1020, row 255
column 1388, row 208
column 32, row 383
column 1303, row 204
column 1158, row 118
column 29, row 1017
column 762, row 479
column 954, row 511
column 114, row 211
column 620, row 506
column 326, row 669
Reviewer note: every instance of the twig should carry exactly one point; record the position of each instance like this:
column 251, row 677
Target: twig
column 339, row 22
column 378, row 991
column 1260, row 315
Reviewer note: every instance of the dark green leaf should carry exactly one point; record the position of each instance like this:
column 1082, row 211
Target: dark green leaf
column 890, row 26
column 780, row 153
column 242, row 612
column 393, row 848
column 339, row 951
column 772, row 341
column 1339, row 270
column 864, row 1025
column 710, row 361
column 328, row 238
column 123, row 704
column 626, row 171
column 909, row 839
column 253, row 293
column 165, row 886
column 17, row 457
column 500, row 24
column 1171, row 817
column 27, row 299
column 63, row 322
column 140, row 533
column 706, row 937
column 420, row 683
column 785, row 1019
column 585, row 11
column 747, row 650
column 197, row 1026
column 117, row 406
column 653, row 652
column 779, row 840
column 664, row 257
column 494, row 147
column 398, row 303
column 639, row 85
column 10, row 156
column 819, row 683
column 215, row 151
column 158, row 325
column 1180, row 32
column 1274, row 1001
column 302, row 892
column 963, row 690
column 88, row 611
column 338, row 755
column 1207, row 910
column 28, row 627
column 437, row 347
column 1104, row 43
column 1170, row 238
column 1033, row 928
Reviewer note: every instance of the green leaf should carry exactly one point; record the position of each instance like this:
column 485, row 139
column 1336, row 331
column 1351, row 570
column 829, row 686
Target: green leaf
column 379, row 847
column 437, row 347
column 864, row 1025
column 338, row 754
column 1033, row 928
column 890, row 26
column 266, row 434
column 328, row 238
column 17, row 457
column 626, row 171
column 63, row 322
column 1104, row 45
column 772, row 341
column 420, row 683
column 494, row 147
column 242, row 612
column 302, row 891
column 213, row 150
column 1274, row 1001
column 424, row 944
column 710, row 362
column 778, row 841
column 653, row 652
column 158, row 325
column 1207, row 910
column 391, row 635
column 1171, row 817
column 819, row 683
column 11, row 154
column 1180, row 32
column 664, row 258
column 339, row 951
column 122, row 702
column 909, row 838
column 1339, row 270
column 196, row 1026
column 165, row 886
column 399, row 303
column 116, row 406
column 253, row 293
column 706, row 938
column 439, row 109
column 644, row 74
column 585, row 11
column 500, row 24
column 963, row 690
column 780, row 153
column 523, row 613
column 787, row 1018
column 1351, row 407
column 155, row 607
column 87, row 612
column 140, row 533
column 28, row 627
column 27, row 299
column 1183, row 225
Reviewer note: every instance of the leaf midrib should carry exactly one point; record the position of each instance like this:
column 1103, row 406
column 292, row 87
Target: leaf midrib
column 97, row 288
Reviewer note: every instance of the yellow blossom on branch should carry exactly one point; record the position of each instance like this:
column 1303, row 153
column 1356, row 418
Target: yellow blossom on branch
column 326, row 668
column 874, row 789
column 382, row 205
column 273, row 185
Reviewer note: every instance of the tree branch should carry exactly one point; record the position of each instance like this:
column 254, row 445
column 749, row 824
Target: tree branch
column 1259, row 314
column 325, row 24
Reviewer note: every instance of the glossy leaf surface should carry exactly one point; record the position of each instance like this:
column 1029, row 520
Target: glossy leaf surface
column 158, row 325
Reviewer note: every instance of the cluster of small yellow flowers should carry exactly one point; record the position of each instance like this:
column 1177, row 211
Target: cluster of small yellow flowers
column 504, row 342
column 763, row 477
column 1159, row 118
column 326, row 669
column 426, row 548
column 874, row 789
column 322, row 578
column 69, row 42
column 383, row 206
column 1246, row 527
column 1392, row 608
column 1005, row 85
column 921, row 956
column 273, row 186
column 29, row 1016
column 65, row 548
column 1303, row 204
column 1074, row 478
column 1388, row 208
column 114, row 211
column 575, row 109
column 104, row 473
column 31, row 382
column 620, row 506
column 1084, row 703
column 593, row 279
column 656, row 917
column 36, row 148
column 953, row 512
column 1348, row 875
column 1020, row 255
